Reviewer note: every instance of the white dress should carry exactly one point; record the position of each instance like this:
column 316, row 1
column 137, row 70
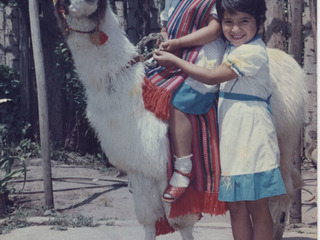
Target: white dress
column 193, row 96
column 249, row 151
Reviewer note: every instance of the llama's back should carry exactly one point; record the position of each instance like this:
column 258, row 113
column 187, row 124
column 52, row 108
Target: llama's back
column 287, row 102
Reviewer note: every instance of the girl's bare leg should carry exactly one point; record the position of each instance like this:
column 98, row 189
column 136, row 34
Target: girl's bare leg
column 261, row 219
column 181, row 132
column 181, row 136
column 240, row 220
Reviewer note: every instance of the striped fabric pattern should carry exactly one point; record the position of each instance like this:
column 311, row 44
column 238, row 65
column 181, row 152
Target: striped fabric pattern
column 188, row 17
column 160, row 83
column 202, row 197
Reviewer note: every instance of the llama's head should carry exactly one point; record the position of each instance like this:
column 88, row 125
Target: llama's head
column 93, row 10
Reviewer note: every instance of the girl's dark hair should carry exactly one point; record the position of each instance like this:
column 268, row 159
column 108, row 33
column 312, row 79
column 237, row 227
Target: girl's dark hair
column 256, row 8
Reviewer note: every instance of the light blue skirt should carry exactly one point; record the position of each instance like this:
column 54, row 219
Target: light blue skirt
column 188, row 100
column 251, row 187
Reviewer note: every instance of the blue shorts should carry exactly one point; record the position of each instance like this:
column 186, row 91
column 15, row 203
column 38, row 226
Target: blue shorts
column 188, row 100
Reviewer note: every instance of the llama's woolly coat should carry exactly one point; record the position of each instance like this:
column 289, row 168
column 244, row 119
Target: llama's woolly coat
column 132, row 138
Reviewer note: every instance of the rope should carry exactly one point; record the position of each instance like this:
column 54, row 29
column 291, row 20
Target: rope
column 142, row 49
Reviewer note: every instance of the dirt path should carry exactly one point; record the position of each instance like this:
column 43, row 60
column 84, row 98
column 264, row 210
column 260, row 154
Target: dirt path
column 92, row 203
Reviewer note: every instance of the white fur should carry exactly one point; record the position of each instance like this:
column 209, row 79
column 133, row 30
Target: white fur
column 135, row 140
column 287, row 104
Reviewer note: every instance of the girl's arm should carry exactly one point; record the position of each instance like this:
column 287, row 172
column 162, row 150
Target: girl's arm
column 221, row 74
column 200, row 37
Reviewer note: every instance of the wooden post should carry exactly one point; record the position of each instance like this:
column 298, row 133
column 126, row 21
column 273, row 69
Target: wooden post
column 295, row 49
column 313, row 16
column 275, row 33
column 295, row 34
column 42, row 101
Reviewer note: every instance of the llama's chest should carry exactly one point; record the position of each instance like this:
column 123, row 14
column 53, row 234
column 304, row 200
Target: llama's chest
column 125, row 129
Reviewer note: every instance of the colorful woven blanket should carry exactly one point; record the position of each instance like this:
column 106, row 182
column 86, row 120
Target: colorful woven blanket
column 202, row 195
column 160, row 84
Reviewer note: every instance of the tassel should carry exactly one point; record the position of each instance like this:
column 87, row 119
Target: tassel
column 163, row 227
column 212, row 205
column 194, row 202
column 190, row 203
column 156, row 99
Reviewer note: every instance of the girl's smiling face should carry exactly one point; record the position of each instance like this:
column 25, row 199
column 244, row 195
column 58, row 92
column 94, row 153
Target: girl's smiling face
column 239, row 27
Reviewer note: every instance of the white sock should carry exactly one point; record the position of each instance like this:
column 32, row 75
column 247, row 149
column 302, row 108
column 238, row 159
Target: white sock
column 183, row 164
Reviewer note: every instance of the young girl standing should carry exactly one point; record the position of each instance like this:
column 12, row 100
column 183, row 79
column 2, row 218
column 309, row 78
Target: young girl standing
column 249, row 151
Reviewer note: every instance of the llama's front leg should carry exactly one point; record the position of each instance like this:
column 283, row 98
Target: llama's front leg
column 148, row 204
column 184, row 224
column 150, row 232
column 279, row 207
column 186, row 233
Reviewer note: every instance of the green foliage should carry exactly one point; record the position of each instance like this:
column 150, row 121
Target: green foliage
column 8, row 3
column 12, row 127
column 68, row 75
column 63, row 222
column 18, row 219
column 6, row 172
column 25, row 149
column 58, row 154
column 11, row 153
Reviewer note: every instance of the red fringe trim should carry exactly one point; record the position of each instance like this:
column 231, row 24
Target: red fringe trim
column 212, row 205
column 156, row 99
column 163, row 227
column 191, row 203
column 194, row 202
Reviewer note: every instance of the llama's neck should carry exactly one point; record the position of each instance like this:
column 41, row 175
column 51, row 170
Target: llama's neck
column 95, row 62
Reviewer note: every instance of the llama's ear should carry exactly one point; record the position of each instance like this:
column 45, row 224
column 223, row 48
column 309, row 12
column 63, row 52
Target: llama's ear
column 101, row 10
column 59, row 14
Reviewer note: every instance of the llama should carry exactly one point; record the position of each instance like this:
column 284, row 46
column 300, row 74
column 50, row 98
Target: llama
column 128, row 133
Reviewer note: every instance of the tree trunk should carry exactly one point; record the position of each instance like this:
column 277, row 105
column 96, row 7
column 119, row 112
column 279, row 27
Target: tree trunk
column 313, row 15
column 295, row 34
column 42, row 101
column 275, row 33
column 49, row 30
column 295, row 49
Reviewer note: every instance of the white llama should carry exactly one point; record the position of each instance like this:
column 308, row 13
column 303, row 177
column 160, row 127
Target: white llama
column 133, row 138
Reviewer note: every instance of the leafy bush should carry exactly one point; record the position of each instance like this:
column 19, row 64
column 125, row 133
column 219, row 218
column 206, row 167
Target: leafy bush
column 12, row 153
column 70, row 81
column 12, row 127
column 6, row 172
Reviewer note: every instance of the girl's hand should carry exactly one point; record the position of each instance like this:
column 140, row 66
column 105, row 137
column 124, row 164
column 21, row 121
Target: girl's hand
column 164, row 59
column 164, row 34
column 171, row 45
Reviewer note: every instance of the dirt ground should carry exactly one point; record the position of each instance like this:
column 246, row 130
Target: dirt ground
column 91, row 195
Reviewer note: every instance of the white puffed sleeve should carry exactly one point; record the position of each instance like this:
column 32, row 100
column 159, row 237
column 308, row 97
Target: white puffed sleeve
column 247, row 59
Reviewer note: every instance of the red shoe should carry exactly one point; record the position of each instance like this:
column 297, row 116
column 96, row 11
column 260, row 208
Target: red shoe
column 176, row 192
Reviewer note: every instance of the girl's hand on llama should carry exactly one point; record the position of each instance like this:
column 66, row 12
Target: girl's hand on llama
column 164, row 59
column 171, row 45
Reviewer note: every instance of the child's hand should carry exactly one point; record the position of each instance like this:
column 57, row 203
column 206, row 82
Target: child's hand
column 171, row 45
column 164, row 59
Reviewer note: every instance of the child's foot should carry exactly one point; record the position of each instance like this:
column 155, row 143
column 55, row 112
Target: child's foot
column 174, row 193
column 180, row 179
